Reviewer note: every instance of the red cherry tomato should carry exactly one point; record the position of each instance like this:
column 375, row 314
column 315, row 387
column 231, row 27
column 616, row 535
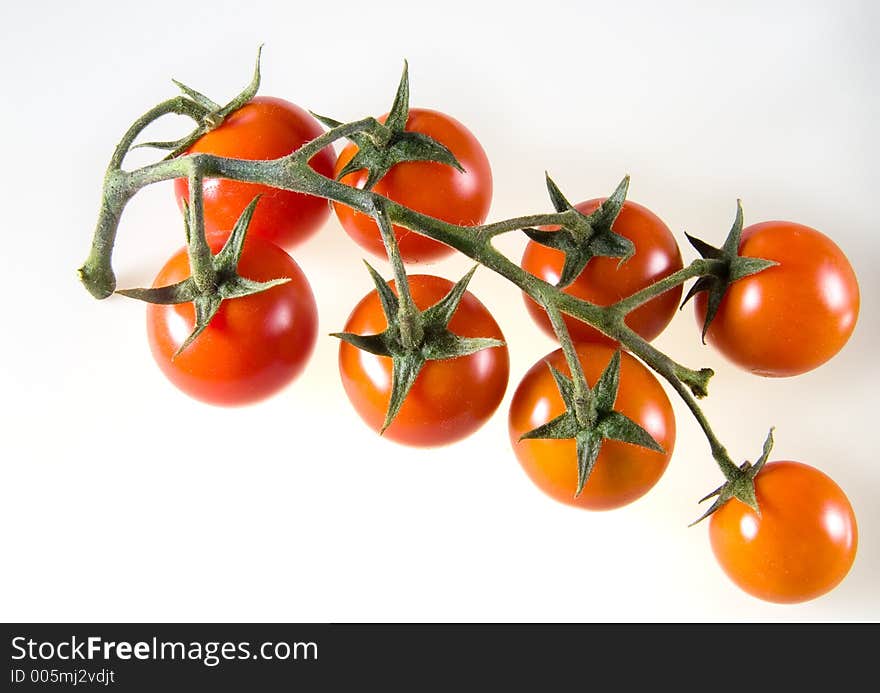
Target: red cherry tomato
column 253, row 346
column 264, row 128
column 604, row 280
column 802, row 544
column 790, row 318
column 623, row 472
column 450, row 399
column 434, row 189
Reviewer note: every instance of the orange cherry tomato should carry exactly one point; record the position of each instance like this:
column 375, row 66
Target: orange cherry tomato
column 253, row 346
column 264, row 128
column 604, row 280
column 623, row 472
column 451, row 398
column 437, row 190
column 802, row 544
column 790, row 318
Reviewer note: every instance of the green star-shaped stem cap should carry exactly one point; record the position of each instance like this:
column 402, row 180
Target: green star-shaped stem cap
column 437, row 341
column 229, row 284
column 740, row 483
column 729, row 266
column 592, row 421
column 585, row 236
column 382, row 146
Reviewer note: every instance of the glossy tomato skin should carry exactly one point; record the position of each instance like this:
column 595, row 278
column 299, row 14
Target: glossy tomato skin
column 623, row 472
column 802, row 545
column 253, row 347
column 450, row 399
column 790, row 318
column 434, row 189
column 264, row 128
column 604, row 280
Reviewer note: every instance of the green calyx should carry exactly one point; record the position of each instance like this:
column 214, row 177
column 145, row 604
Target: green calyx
column 434, row 342
column 728, row 266
column 223, row 281
column 382, row 146
column 210, row 115
column 587, row 235
column 592, row 420
column 740, row 483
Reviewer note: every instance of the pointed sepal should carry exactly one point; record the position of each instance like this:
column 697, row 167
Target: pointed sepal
column 729, row 266
column 405, row 370
column 446, row 345
column 399, row 113
column 206, row 308
column 617, row 426
column 441, row 312
column 182, row 292
column 373, row 343
column 327, row 121
column 588, row 445
column 605, row 390
column 558, row 428
column 386, row 295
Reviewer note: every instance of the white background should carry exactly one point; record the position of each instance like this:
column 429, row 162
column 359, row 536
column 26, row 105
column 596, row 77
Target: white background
column 121, row 499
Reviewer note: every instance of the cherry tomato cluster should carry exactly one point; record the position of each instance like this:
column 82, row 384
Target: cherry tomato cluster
column 783, row 320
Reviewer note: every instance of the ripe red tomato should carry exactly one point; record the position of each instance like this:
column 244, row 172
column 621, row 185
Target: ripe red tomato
column 790, row 318
column 437, row 190
column 800, row 547
column 253, row 346
column 264, row 128
column 623, row 472
column 603, row 282
column 450, row 399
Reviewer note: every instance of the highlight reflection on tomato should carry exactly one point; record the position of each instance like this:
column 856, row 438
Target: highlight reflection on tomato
column 450, row 399
column 253, row 346
column 623, row 471
column 605, row 280
column 790, row 318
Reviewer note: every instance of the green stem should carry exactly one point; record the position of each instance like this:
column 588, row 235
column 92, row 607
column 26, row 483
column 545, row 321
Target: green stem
column 411, row 333
column 97, row 273
column 697, row 268
column 685, row 382
column 519, row 223
column 179, row 105
column 578, row 378
column 309, row 149
column 201, row 262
